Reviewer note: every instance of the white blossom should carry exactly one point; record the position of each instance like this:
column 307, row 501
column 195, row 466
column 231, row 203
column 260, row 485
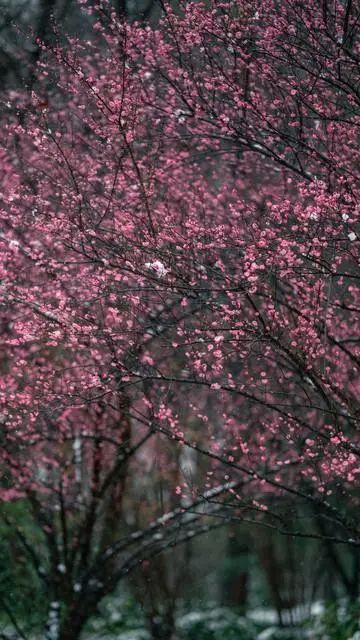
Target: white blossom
column 158, row 267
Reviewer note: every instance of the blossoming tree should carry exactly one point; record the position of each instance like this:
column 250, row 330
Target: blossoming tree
column 179, row 242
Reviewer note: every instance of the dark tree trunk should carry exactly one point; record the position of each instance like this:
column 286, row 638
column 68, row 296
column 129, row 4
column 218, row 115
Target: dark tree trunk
column 73, row 623
column 162, row 626
column 71, row 630
column 236, row 574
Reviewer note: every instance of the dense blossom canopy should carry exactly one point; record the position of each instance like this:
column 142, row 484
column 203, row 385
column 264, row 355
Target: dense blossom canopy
column 180, row 258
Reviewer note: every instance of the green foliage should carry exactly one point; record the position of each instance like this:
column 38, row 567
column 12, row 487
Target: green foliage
column 21, row 590
column 118, row 614
column 340, row 622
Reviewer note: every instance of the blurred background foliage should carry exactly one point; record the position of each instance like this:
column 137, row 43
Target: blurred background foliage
column 240, row 582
